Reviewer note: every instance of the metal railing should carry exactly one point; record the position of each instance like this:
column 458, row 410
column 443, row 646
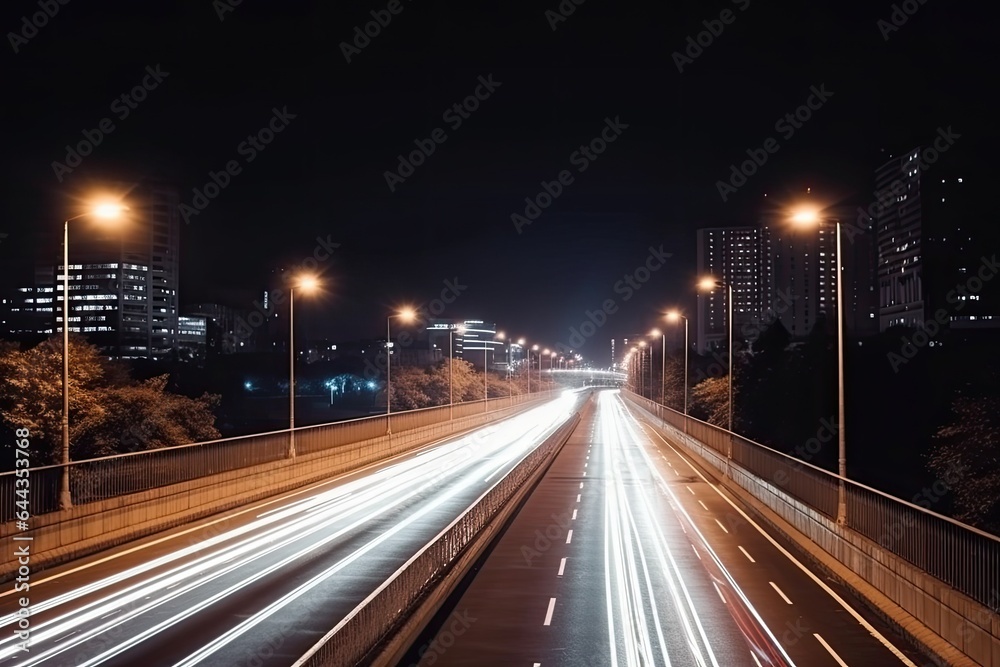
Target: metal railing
column 92, row 480
column 963, row 557
column 378, row 615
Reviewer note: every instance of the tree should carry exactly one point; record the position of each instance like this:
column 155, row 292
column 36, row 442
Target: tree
column 710, row 401
column 109, row 413
column 965, row 456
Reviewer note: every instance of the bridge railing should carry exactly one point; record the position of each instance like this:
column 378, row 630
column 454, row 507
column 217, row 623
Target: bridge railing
column 98, row 479
column 963, row 557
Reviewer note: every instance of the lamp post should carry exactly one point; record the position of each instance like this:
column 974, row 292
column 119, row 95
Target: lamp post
column 710, row 284
column 809, row 216
column 107, row 211
column 406, row 315
column 527, row 354
column 674, row 316
column 451, row 370
column 307, row 284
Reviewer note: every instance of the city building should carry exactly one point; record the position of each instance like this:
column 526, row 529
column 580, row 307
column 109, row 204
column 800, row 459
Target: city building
column 123, row 281
column 228, row 330
column 803, row 276
column 898, row 223
column 740, row 257
column 473, row 340
column 192, row 337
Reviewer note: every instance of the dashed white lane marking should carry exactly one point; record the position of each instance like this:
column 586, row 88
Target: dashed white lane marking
column 574, row 515
column 696, row 551
column 749, row 557
column 690, row 490
column 721, row 596
column 569, row 537
column 562, row 566
column 780, row 592
column 830, row 650
column 581, row 484
column 578, row 497
column 703, row 505
column 752, row 655
column 552, row 608
column 721, row 526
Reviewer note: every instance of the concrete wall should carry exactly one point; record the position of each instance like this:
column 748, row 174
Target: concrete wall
column 59, row 537
column 948, row 624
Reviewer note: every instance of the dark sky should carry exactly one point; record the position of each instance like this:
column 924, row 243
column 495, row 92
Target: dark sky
column 322, row 176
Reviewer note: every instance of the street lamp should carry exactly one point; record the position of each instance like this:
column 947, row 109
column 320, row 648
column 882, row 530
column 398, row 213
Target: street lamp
column 710, row 284
column 407, row 315
column 510, row 377
column 806, row 216
column 663, row 364
column 105, row 211
column 673, row 316
column 307, row 284
column 527, row 354
column 451, row 369
column 642, row 361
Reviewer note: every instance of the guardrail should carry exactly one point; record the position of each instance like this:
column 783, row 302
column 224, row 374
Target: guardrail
column 963, row 557
column 375, row 617
column 98, row 479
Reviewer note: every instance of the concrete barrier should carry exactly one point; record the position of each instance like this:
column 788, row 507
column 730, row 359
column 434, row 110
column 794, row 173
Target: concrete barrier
column 947, row 624
column 59, row 537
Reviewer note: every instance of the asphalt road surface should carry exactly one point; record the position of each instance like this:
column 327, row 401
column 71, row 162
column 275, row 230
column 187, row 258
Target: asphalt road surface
column 627, row 555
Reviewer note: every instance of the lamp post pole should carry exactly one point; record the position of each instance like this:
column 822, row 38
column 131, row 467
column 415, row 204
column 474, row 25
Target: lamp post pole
column 65, row 498
column 685, row 374
column 841, row 440
column 291, row 372
column 451, row 375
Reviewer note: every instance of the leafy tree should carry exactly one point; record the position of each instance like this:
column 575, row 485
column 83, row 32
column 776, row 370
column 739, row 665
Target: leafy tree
column 966, row 456
column 710, row 400
column 109, row 413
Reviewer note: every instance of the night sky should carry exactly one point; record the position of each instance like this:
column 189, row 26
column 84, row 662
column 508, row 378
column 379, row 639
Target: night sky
column 323, row 174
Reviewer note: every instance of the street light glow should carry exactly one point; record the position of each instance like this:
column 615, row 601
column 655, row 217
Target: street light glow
column 307, row 283
column 407, row 314
column 109, row 210
column 708, row 284
column 805, row 216
column 673, row 316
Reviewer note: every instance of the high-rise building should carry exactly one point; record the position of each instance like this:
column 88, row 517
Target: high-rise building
column 476, row 342
column 123, row 281
column 898, row 222
column 740, row 257
column 803, row 276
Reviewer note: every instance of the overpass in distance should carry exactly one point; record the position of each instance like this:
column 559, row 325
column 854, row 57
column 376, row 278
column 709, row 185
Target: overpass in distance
column 602, row 540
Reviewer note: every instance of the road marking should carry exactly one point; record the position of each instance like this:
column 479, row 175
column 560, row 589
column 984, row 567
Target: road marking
column 569, row 536
column 783, row 596
column 581, row 485
column 538, row 664
column 703, row 505
column 819, row 582
column 721, row 597
column 830, row 649
column 585, row 465
column 574, row 515
column 720, row 525
column 752, row 655
column 552, row 608
column 562, row 566
column 584, row 473
column 696, row 551
column 749, row 557
column 578, row 497
column 690, row 490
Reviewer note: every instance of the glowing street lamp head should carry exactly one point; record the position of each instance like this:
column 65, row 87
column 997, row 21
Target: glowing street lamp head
column 673, row 316
column 520, row 341
column 805, row 216
column 500, row 335
column 109, row 210
column 655, row 332
column 708, row 284
column 535, row 348
column 546, row 351
column 307, row 283
column 642, row 343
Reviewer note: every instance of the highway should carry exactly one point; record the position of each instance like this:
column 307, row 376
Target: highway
column 626, row 554
column 260, row 585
